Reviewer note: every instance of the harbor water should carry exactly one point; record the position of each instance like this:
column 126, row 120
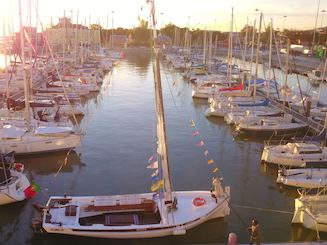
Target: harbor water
column 119, row 140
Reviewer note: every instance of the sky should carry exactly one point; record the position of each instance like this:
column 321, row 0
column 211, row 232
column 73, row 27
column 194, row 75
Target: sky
column 204, row 14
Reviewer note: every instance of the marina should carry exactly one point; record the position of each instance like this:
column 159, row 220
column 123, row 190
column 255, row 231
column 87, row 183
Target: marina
column 141, row 138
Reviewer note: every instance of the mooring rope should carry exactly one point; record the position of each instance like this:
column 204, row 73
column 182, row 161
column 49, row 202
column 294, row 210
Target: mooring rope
column 262, row 209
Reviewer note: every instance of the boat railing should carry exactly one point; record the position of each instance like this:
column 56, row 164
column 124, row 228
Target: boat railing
column 3, row 183
column 275, row 142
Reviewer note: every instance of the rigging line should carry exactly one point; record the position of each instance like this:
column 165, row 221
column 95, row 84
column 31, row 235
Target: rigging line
column 56, row 67
column 44, row 191
column 262, row 209
column 186, row 111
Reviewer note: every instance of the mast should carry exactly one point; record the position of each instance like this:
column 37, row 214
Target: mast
column 257, row 60
column 244, row 53
column 76, row 37
column 22, row 50
column 270, row 53
column 161, row 128
column 230, row 50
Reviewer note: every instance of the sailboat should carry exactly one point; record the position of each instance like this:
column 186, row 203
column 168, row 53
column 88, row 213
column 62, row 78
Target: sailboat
column 13, row 182
column 139, row 215
column 41, row 138
column 310, row 211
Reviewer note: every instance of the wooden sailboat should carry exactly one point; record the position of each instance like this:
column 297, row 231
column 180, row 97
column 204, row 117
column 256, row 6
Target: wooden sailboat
column 138, row 215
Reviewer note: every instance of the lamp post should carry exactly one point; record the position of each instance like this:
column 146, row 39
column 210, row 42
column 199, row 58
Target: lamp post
column 322, row 17
column 321, row 30
column 112, row 29
column 161, row 20
column 285, row 16
column 314, row 31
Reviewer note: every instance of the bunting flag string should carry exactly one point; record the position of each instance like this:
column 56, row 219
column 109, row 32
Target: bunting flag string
column 153, row 165
column 155, row 173
column 195, row 133
column 151, row 158
column 157, row 185
column 192, row 123
column 210, row 161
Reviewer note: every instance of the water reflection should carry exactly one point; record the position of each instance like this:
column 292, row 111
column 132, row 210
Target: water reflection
column 46, row 164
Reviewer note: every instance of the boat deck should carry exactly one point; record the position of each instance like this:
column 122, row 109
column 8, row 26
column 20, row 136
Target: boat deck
column 121, row 219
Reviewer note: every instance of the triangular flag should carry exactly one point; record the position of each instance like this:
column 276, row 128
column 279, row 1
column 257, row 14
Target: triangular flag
column 206, row 152
column 155, row 178
column 157, row 185
column 174, row 82
column 201, row 143
column 153, row 165
column 150, row 159
column 155, row 173
column 195, row 133
column 211, row 161
column 215, row 170
column 192, row 123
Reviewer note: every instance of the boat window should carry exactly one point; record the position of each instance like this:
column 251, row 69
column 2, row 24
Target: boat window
column 311, row 152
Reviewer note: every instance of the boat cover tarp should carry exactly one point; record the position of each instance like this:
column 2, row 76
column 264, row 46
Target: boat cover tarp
column 53, row 130
column 11, row 132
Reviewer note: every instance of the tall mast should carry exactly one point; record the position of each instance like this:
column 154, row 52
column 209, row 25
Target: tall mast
column 257, row 60
column 161, row 129
column 22, row 50
column 230, row 49
column 270, row 53
column 244, row 53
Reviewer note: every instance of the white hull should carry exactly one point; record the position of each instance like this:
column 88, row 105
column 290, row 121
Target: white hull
column 30, row 144
column 304, row 178
column 311, row 212
column 14, row 190
column 287, row 156
column 175, row 222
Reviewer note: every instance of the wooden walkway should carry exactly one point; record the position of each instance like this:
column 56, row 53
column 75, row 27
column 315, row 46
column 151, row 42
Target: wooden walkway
column 315, row 126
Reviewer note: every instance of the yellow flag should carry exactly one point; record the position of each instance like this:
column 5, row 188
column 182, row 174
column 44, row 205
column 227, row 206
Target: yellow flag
column 211, row 161
column 174, row 82
column 215, row 170
column 157, row 185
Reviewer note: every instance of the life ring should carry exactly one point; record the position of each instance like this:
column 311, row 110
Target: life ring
column 19, row 167
column 199, row 201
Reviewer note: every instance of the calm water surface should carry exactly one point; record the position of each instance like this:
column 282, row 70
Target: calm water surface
column 113, row 155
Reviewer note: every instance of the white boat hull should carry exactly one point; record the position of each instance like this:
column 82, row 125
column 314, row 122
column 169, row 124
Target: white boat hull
column 14, row 190
column 303, row 178
column 173, row 224
column 311, row 212
column 39, row 144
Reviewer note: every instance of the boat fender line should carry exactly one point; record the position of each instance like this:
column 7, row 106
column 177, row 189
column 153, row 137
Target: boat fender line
column 199, row 201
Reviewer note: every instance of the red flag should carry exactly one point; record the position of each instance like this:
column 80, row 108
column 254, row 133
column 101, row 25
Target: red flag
column 153, row 165
column 151, row 158
column 31, row 190
column 195, row 133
